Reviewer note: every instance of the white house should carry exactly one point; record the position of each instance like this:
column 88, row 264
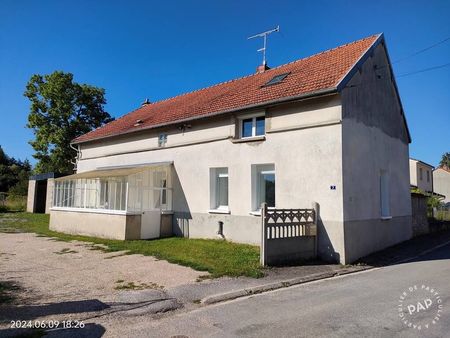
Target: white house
column 441, row 178
column 421, row 175
column 328, row 128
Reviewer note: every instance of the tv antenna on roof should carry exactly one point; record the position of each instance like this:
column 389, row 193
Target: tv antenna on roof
column 264, row 35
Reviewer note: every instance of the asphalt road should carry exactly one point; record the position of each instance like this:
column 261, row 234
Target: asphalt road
column 358, row 305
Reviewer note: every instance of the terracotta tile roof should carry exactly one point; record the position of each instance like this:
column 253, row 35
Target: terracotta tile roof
column 315, row 73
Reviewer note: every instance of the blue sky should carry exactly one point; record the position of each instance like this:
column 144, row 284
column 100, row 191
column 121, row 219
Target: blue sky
column 144, row 49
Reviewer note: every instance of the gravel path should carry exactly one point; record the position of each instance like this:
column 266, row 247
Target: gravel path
column 73, row 281
column 62, row 271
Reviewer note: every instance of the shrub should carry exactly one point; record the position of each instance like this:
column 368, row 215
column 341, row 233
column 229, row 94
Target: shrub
column 16, row 203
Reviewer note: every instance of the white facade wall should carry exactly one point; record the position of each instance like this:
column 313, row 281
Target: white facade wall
column 413, row 172
column 375, row 143
column 307, row 163
column 368, row 152
column 442, row 183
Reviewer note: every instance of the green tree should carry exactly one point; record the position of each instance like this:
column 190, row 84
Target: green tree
column 14, row 174
column 445, row 160
column 60, row 111
column 6, row 176
column 4, row 159
column 22, row 172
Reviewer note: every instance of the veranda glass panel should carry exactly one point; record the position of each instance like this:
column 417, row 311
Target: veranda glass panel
column 150, row 191
column 146, row 190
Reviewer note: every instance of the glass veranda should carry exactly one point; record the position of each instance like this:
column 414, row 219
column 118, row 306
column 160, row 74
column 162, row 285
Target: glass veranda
column 148, row 189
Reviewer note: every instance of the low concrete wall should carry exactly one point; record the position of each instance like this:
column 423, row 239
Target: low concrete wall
column 288, row 235
column 367, row 236
column 96, row 224
column 419, row 214
column 289, row 250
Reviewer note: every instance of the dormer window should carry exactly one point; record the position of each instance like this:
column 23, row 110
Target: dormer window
column 252, row 126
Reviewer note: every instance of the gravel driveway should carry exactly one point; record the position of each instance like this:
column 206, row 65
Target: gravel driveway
column 58, row 271
column 57, row 279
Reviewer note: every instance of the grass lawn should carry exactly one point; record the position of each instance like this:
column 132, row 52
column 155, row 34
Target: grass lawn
column 219, row 258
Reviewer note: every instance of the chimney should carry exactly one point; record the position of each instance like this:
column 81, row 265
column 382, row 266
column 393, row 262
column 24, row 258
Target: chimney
column 262, row 68
column 146, row 102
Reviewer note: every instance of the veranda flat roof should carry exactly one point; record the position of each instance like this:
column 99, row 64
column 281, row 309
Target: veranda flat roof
column 117, row 171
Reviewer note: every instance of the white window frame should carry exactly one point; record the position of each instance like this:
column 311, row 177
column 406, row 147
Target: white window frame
column 162, row 140
column 385, row 200
column 258, row 169
column 214, row 174
column 253, row 117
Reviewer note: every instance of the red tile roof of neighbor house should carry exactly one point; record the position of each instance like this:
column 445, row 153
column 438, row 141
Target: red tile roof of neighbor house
column 312, row 75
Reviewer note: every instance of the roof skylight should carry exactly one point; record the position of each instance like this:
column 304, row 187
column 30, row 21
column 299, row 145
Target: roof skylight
column 276, row 79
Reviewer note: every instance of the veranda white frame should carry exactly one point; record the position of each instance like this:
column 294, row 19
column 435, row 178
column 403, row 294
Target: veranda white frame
column 112, row 194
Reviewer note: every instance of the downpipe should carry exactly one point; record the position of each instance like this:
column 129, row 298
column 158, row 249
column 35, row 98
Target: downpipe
column 220, row 230
column 76, row 158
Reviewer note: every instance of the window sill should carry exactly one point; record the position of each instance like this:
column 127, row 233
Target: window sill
column 258, row 212
column 249, row 139
column 95, row 211
column 219, row 211
column 385, row 218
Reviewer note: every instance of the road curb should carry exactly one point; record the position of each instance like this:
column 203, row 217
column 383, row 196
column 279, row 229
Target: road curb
column 222, row 297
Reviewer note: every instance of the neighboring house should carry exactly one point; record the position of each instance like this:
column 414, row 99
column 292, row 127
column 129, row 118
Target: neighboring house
column 421, row 175
column 328, row 128
column 441, row 177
